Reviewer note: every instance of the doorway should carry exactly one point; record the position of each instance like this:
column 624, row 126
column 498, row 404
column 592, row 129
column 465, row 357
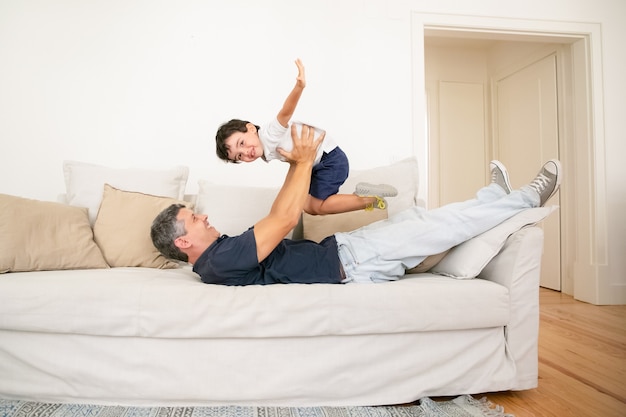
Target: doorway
column 580, row 144
column 493, row 100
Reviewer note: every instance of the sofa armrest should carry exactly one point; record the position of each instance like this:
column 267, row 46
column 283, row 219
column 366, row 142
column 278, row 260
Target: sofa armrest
column 518, row 267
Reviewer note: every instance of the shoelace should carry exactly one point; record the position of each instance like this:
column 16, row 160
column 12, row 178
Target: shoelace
column 540, row 183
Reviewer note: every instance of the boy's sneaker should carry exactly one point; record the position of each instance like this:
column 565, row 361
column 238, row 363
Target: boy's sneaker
column 380, row 204
column 500, row 176
column 365, row 189
column 547, row 182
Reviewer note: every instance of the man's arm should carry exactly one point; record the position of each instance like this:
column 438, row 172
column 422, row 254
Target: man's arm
column 289, row 106
column 289, row 203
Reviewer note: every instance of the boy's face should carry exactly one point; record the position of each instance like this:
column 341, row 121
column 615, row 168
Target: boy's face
column 244, row 146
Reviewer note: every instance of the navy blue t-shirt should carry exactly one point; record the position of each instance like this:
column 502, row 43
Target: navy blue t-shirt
column 233, row 261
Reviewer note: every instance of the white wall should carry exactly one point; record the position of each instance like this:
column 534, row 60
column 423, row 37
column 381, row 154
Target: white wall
column 129, row 83
column 143, row 83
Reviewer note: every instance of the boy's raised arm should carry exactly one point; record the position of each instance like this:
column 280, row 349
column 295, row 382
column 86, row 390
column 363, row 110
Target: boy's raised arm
column 289, row 106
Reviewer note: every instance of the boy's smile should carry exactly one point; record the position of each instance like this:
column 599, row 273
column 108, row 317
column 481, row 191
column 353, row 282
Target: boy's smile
column 244, row 146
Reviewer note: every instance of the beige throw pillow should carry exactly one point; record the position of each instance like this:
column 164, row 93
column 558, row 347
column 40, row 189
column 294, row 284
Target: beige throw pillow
column 41, row 235
column 428, row 263
column 122, row 228
column 316, row 228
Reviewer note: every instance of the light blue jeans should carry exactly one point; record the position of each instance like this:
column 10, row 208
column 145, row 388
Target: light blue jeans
column 382, row 251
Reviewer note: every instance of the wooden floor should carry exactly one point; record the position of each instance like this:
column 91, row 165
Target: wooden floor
column 582, row 362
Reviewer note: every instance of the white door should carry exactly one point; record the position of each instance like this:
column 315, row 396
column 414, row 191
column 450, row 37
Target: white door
column 526, row 136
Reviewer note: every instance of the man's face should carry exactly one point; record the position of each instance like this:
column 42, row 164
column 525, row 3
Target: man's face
column 199, row 231
column 244, row 146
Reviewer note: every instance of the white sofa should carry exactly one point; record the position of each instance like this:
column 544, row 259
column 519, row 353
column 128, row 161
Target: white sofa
column 156, row 335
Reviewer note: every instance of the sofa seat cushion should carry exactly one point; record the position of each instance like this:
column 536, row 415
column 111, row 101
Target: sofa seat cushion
column 146, row 302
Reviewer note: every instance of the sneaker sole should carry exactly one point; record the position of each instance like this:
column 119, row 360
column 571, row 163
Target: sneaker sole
column 366, row 189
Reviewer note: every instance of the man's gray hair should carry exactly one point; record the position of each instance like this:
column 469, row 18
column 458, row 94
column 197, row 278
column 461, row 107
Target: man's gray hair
column 166, row 228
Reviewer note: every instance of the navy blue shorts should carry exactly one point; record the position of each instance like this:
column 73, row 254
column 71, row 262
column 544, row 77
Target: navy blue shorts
column 328, row 175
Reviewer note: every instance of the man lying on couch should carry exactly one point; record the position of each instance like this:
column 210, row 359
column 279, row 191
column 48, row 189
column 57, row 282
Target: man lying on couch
column 379, row 252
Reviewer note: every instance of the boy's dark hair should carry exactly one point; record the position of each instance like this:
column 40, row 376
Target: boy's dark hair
column 224, row 132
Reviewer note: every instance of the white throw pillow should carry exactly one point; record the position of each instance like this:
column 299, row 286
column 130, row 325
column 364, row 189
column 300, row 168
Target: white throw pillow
column 469, row 258
column 402, row 174
column 234, row 209
column 84, row 183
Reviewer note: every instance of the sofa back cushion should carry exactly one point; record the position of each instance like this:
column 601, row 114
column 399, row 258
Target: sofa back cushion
column 403, row 175
column 84, row 183
column 233, row 209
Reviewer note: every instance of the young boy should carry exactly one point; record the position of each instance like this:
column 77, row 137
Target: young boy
column 242, row 141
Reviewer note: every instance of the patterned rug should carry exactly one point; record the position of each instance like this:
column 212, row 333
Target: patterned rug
column 464, row 406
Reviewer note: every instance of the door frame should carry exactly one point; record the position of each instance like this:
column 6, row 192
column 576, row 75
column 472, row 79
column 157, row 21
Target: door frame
column 582, row 145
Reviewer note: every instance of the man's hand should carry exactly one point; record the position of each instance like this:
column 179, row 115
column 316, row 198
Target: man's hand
column 300, row 79
column 304, row 146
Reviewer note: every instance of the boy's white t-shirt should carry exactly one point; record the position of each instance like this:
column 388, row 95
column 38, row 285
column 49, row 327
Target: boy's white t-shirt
column 273, row 135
